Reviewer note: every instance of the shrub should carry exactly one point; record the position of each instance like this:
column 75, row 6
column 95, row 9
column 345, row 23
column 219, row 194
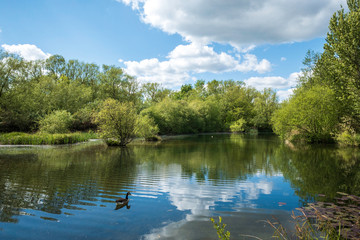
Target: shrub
column 348, row 138
column 57, row 122
column 147, row 128
column 238, row 126
column 83, row 119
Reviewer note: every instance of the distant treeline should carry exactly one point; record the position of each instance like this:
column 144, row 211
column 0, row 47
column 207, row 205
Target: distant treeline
column 32, row 90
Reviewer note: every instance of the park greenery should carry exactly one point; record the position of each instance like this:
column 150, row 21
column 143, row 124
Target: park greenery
column 326, row 104
column 60, row 96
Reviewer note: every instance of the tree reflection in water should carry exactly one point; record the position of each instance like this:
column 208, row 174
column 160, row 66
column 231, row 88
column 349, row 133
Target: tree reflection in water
column 190, row 177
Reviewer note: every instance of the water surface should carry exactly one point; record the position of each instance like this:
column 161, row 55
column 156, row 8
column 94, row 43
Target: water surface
column 68, row 192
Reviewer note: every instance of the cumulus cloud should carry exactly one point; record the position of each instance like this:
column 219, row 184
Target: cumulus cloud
column 240, row 23
column 284, row 94
column 199, row 199
column 185, row 60
column 282, row 85
column 27, row 51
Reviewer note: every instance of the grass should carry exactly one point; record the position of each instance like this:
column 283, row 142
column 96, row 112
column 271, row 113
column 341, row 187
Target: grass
column 19, row 138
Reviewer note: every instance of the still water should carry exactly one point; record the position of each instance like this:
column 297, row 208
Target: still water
column 68, row 192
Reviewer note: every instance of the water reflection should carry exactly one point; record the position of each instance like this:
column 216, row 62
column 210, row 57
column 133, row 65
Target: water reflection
column 176, row 185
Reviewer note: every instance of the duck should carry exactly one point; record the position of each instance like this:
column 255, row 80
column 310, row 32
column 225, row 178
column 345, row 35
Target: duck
column 123, row 201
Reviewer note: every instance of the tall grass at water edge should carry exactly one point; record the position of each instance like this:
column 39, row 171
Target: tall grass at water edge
column 18, row 138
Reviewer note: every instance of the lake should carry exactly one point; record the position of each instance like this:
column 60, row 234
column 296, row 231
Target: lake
column 69, row 192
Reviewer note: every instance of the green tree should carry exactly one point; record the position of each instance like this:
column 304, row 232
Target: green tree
column 311, row 114
column 154, row 93
column 174, row 117
column 339, row 65
column 111, row 79
column 117, row 121
column 56, row 64
column 265, row 105
column 10, row 67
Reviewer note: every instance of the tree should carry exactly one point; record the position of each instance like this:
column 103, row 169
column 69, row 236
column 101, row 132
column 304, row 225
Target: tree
column 110, row 82
column 56, row 65
column 339, row 65
column 265, row 105
column 117, row 121
column 10, row 67
column 311, row 115
column 153, row 93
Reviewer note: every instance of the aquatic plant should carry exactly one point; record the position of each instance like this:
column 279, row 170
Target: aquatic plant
column 325, row 220
column 220, row 229
column 341, row 217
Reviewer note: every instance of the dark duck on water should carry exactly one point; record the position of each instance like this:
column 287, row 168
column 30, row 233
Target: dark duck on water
column 125, row 200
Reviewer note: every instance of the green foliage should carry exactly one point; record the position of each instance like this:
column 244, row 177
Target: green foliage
column 339, row 65
column 220, row 229
column 83, row 118
column 348, row 138
column 153, row 93
column 335, row 77
column 174, row 117
column 265, row 105
column 56, row 122
column 310, row 115
column 16, row 138
column 146, row 128
column 78, row 87
column 238, row 126
column 117, row 121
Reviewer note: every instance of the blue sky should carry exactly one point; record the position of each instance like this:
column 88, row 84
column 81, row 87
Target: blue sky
column 173, row 42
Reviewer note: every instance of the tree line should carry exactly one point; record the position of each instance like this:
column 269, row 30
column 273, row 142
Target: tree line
column 35, row 94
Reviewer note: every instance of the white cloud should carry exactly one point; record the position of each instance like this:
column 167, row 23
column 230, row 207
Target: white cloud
column 240, row 23
column 284, row 94
column 199, row 199
column 283, row 59
column 27, row 51
column 273, row 82
column 185, row 60
column 282, row 85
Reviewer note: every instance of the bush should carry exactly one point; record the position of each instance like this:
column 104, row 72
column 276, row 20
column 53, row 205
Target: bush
column 147, row 128
column 238, row 126
column 57, row 122
column 348, row 138
column 83, row 118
